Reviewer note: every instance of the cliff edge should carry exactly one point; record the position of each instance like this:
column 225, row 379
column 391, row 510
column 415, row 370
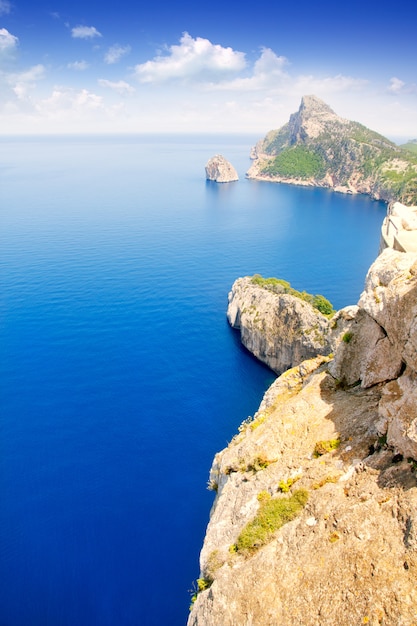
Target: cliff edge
column 282, row 329
column 315, row 515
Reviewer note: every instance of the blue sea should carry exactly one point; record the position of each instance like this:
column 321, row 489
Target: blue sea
column 120, row 377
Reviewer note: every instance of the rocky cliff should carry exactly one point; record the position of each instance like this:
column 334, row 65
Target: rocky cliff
column 219, row 170
column 318, row 148
column 282, row 329
column 315, row 516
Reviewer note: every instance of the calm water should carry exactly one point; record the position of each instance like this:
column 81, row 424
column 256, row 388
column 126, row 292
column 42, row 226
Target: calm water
column 120, row 377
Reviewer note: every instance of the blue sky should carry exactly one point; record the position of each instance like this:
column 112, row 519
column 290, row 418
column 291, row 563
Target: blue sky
column 203, row 67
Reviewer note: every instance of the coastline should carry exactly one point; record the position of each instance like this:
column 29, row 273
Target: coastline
column 354, row 409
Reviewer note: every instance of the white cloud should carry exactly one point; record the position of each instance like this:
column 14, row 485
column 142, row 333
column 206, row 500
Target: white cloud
column 192, row 57
column 66, row 100
column 115, row 53
column 269, row 63
column 396, row 85
column 23, row 82
column 80, row 66
column 31, row 75
column 270, row 77
column 87, row 99
column 328, row 85
column 85, row 32
column 7, row 40
column 121, row 86
column 267, row 70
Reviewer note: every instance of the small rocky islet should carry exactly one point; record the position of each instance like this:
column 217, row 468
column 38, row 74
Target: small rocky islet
column 219, row 170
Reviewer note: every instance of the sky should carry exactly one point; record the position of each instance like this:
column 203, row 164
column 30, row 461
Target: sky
column 84, row 66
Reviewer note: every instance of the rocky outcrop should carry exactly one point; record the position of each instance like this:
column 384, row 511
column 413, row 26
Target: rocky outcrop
column 219, row 170
column 344, row 432
column 399, row 228
column 388, row 305
column 318, row 148
column 280, row 329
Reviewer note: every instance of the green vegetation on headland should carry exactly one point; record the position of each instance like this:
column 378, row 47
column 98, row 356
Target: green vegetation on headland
column 411, row 146
column 297, row 162
column 277, row 285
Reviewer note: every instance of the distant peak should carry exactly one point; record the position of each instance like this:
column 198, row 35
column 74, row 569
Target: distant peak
column 312, row 104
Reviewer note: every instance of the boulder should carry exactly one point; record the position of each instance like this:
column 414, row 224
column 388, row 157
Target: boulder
column 219, row 170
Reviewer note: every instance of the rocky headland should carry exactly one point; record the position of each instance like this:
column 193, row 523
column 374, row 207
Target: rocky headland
column 318, row 148
column 280, row 326
column 219, row 170
column 315, row 514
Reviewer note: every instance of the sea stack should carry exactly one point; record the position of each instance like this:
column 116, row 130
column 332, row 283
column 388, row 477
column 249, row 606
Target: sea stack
column 219, row 170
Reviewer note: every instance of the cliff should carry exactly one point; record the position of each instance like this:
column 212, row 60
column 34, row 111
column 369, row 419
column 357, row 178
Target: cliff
column 315, row 515
column 318, row 148
column 282, row 329
column 399, row 229
column 219, row 170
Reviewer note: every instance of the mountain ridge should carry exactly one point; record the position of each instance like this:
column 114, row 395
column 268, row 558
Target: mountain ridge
column 316, row 147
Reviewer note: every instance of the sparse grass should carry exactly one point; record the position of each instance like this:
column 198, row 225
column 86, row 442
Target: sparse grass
column 323, row 447
column 254, row 422
column 285, row 485
column 260, row 462
column 214, row 562
column 347, row 337
column 202, row 585
column 272, row 514
column 324, row 481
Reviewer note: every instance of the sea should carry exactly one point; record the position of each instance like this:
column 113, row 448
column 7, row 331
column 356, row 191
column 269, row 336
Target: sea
column 120, row 376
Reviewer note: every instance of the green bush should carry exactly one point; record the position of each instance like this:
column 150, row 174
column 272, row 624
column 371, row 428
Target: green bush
column 202, row 585
column 278, row 285
column 347, row 337
column 323, row 305
column 272, row 514
column 323, row 447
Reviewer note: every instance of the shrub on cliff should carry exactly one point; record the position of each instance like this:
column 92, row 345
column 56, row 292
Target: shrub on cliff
column 272, row 514
column 278, row 285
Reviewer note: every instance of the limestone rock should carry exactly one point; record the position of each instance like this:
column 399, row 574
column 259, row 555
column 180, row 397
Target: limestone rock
column 219, row 170
column 365, row 354
column 279, row 329
column 390, row 298
column 398, row 413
